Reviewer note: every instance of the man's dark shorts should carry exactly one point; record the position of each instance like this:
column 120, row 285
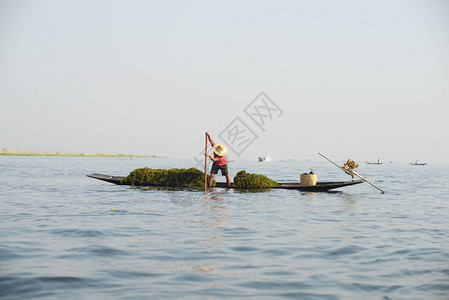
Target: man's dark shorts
column 223, row 168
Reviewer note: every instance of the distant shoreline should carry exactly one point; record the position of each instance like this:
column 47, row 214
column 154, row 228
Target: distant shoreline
column 80, row 155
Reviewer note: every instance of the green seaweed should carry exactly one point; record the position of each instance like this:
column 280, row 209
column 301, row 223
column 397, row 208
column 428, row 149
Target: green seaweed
column 243, row 179
column 166, row 177
column 191, row 177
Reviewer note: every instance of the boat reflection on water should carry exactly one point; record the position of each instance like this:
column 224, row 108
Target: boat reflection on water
column 214, row 218
column 214, row 209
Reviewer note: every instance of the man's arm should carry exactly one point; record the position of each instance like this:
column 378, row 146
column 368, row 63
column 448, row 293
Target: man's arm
column 212, row 158
column 212, row 143
column 210, row 139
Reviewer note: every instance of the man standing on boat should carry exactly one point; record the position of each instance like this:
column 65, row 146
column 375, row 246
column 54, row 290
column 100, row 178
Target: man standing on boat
column 220, row 162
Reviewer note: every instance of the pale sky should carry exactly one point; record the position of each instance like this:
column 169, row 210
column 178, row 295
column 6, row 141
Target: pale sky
column 352, row 79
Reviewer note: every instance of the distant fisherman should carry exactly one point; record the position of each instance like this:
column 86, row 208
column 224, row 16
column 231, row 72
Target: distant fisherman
column 219, row 159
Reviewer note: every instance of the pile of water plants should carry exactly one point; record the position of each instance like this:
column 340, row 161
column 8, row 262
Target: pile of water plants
column 166, row 177
column 243, row 179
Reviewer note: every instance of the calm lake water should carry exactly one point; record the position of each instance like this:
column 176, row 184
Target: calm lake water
column 64, row 235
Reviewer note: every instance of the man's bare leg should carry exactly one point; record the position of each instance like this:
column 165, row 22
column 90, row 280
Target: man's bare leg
column 228, row 180
column 212, row 176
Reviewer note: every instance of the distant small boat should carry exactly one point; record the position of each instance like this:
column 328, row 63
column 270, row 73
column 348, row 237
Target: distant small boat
column 262, row 158
column 374, row 163
column 416, row 163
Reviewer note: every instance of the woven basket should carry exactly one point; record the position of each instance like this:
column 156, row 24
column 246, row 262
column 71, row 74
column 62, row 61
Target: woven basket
column 308, row 179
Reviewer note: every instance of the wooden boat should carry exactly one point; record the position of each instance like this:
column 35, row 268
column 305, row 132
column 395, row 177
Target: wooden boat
column 319, row 187
column 418, row 164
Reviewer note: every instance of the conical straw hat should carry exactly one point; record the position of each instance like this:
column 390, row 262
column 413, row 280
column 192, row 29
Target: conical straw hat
column 220, row 149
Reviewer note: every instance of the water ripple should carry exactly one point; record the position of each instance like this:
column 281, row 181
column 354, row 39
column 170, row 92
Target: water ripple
column 99, row 251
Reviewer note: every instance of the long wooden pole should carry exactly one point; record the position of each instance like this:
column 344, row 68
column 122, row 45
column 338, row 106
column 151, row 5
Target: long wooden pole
column 364, row 179
column 353, row 172
column 205, row 166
